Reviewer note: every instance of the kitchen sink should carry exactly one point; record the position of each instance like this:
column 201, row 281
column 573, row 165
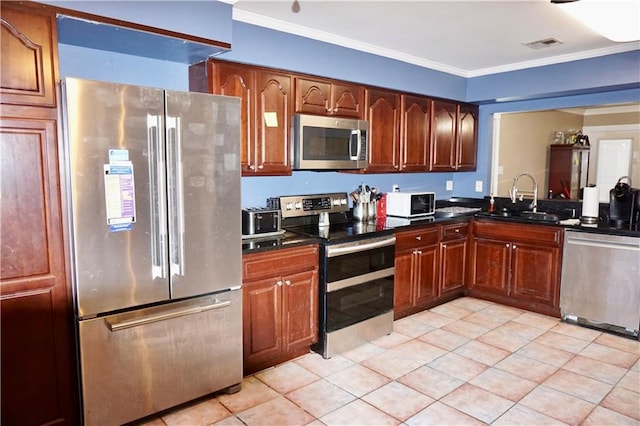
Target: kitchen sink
column 540, row 216
column 526, row 215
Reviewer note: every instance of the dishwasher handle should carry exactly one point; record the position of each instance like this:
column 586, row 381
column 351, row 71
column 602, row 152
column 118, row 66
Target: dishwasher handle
column 116, row 325
column 624, row 245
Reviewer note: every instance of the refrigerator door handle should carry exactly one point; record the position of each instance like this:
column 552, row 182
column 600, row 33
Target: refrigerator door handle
column 117, row 322
column 157, row 197
column 176, row 191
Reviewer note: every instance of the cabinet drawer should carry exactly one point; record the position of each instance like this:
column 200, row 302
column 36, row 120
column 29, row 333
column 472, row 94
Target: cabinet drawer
column 408, row 240
column 547, row 235
column 279, row 262
column 455, row 231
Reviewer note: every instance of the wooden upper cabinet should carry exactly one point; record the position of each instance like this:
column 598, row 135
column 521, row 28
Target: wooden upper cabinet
column 467, row 138
column 407, row 133
column 454, row 137
column 28, row 59
column 273, row 102
column 266, row 110
column 383, row 115
column 324, row 97
column 443, row 141
column 415, row 134
column 231, row 80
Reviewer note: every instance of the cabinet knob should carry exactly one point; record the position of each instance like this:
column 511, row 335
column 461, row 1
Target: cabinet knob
column 261, row 166
column 507, row 245
column 513, row 247
column 444, row 246
column 419, row 238
column 287, row 282
column 457, row 230
column 279, row 283
column 252, row 167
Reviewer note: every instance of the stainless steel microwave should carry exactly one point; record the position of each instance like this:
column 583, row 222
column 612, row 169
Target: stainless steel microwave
column 411, row 204
column 328, row 143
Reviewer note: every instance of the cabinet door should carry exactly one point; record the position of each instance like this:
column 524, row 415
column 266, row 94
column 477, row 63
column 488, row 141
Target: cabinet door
column 467, row 138
column 262, row 320
column 313, row 97
column 347, row 100
column 300, row 307
column 403, row 284
column 236, row 80
column 415, row 136
column 426, row 282
column 453, row 261
column 490, row 263
column 38, row 350
column 535, row 273
column 383, row 116
column 28, row 60
column 443, row 136
column 272, row 110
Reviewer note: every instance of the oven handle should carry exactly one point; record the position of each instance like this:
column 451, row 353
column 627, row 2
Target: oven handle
column 359, row 246
column 360, row 279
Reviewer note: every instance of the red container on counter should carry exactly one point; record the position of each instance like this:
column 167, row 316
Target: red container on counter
column 381, row 207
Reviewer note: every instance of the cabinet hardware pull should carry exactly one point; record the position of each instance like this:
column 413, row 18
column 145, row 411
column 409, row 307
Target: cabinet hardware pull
column 279, row 283
column 457, row 230
column 513, row 247
column 252, row 167
column 287, row 282
column 261, row 166
column 418, row 238
column 444, row 246
column 507, row 245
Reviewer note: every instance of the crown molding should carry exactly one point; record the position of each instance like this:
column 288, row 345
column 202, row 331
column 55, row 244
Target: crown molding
column 299, row 30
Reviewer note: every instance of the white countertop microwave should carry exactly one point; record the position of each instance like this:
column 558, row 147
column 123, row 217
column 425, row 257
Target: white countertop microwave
column 411, row 204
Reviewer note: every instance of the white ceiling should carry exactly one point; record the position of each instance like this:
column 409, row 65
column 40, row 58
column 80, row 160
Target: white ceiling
column 467, row 38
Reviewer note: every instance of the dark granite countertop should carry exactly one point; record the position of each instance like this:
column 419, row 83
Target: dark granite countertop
column 569, row 208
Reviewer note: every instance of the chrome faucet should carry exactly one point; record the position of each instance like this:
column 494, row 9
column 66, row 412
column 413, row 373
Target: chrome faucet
column 515, row 194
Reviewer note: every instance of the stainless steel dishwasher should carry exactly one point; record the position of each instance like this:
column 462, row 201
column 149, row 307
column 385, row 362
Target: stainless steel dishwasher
column 600, row 284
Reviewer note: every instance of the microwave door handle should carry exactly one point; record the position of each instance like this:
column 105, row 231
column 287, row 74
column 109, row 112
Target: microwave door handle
column 354, row 145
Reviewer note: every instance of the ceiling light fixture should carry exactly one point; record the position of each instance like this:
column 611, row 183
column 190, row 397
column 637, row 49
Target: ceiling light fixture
column 618, row 20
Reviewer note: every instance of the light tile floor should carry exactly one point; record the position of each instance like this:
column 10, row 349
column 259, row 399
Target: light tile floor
column 467, row 362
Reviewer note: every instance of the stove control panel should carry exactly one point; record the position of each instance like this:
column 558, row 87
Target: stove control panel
column 314, row 204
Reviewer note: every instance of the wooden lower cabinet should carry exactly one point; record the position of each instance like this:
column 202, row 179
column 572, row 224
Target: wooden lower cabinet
column 430, row 267
column 280, row 305
column 453, row 259
column 517, row 264
column 416, row 271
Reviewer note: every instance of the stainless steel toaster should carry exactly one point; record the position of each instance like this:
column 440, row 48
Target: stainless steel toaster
column 260, row 221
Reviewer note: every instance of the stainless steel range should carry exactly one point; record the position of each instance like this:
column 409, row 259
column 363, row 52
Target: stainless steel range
column 356, row 270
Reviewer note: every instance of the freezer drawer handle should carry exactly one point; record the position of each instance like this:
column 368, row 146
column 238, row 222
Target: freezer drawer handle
column 114, row 325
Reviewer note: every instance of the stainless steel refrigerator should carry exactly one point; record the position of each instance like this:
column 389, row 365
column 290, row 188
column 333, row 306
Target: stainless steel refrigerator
column 153, row 195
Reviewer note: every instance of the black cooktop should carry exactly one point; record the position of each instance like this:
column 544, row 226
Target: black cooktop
column 337, row 232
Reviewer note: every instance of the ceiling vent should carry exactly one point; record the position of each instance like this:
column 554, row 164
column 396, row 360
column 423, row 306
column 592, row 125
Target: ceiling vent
column 540, row 44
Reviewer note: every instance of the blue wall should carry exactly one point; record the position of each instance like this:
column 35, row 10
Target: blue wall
column 555, row 86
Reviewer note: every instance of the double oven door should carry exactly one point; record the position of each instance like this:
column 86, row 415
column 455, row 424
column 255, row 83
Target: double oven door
column 356, row 282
